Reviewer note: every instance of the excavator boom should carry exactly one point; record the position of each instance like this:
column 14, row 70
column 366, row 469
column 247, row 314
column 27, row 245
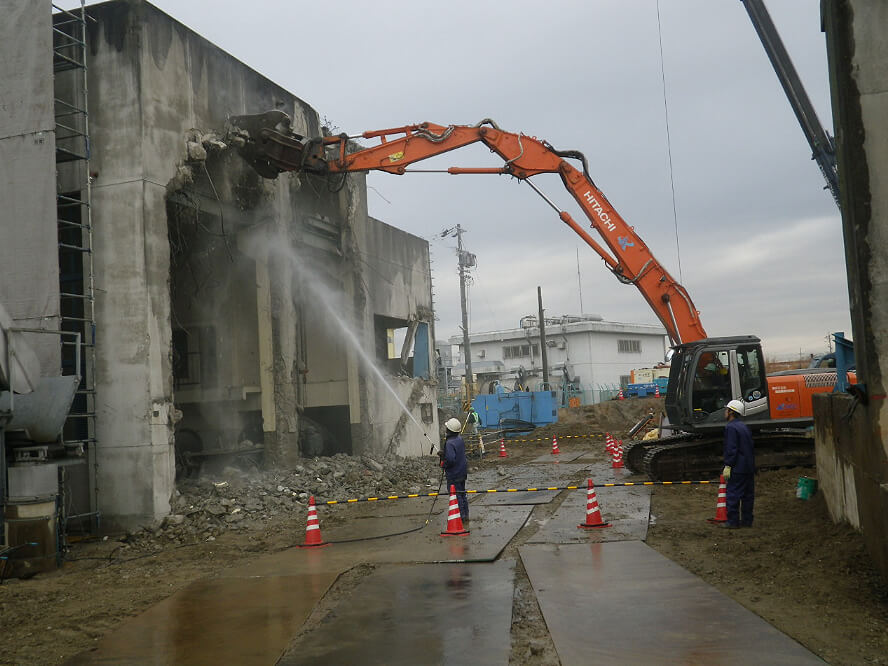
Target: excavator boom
column 269, row 145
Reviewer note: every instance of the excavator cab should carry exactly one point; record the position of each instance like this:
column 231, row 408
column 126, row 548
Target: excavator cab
column 708, row 373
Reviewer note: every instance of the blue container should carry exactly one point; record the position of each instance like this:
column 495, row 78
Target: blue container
column 537, row 407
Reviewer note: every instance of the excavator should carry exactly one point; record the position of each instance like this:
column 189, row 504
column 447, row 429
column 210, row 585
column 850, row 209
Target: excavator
column 705, row 372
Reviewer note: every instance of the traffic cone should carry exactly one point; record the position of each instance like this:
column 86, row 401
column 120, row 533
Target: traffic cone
column 454, row 519
column 610, row 443
column 617, row 454
column 620, row 395
column 312, row 528
column 593, row 513
column 657, row 391
column 721, row 506
column 502, row 453
column 555, row 450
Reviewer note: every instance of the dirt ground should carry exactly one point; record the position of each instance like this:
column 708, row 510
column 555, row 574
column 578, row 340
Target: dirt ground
column 795, row 568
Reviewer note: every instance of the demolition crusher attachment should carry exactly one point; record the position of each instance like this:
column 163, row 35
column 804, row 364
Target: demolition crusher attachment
column 267, row 142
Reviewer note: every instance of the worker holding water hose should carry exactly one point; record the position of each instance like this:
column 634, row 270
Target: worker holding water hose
column 453, row 458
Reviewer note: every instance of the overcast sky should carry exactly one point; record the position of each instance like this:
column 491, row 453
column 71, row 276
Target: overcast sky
column 760, row 239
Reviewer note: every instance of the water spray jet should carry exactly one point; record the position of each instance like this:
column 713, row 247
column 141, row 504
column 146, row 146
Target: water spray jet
column 326, row 297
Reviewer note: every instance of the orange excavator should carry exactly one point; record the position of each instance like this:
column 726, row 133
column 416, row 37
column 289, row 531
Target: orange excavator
column 705, row 372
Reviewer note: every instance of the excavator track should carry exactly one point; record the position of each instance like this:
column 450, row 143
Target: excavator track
column 694, row 456
column 635, row 450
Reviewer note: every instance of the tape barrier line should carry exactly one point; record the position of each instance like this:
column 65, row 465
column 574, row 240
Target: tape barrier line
column 519, row 490
column 538, row 439
column 473, row 446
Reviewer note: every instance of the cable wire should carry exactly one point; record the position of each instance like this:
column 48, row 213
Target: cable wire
column 668, row 142
column 410, row 531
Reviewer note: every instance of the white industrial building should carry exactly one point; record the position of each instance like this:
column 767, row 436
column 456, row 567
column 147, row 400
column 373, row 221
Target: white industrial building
column 594, row 355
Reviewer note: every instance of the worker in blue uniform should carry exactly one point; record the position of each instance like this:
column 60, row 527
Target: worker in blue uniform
column 739, row 470
column 453, row 459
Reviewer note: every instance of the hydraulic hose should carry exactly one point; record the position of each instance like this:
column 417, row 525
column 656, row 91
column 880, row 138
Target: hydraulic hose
column 411, row 530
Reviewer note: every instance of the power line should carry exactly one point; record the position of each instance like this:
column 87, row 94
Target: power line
column 668, row 142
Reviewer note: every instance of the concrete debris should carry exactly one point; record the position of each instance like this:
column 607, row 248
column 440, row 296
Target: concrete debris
column 183, row 178
column 196, row 152
column 234, row 499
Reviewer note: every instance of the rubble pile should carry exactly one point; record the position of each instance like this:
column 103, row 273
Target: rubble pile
column 233, row 499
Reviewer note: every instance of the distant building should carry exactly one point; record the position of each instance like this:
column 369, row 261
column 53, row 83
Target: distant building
column 595, row 356
column 447, row 383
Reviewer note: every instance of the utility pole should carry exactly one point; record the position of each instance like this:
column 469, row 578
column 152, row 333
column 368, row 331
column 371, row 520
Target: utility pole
column 579, row 282
column 543, row 356
column 466, row 260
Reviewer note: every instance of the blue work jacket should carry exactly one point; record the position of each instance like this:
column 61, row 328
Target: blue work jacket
column 455, row 465
column 739, row 451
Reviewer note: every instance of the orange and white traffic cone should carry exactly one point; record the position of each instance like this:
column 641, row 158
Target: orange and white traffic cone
column 721, row 505
column 312, row 528
column 620, row 395
column 555, row 449
column 502, row 453
column 657, row 391
column 593, row 513
column 610, row 443
column 454, row 519
column 617, row 454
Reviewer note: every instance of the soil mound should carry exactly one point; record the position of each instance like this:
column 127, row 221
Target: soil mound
column 613, row 416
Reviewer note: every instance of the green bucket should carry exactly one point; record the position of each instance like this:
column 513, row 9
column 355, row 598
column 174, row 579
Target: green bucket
column 806, row 487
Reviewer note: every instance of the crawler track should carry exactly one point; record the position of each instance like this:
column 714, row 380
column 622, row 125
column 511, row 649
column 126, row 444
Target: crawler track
column 694, row 456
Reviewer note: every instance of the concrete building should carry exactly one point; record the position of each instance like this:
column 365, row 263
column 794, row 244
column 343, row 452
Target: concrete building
column 228, row 311
column 852, row 431
column 595, row 354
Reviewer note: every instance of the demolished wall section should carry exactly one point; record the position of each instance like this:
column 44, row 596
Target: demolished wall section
column 142, row 114
column 852, row 433
column 170, row 200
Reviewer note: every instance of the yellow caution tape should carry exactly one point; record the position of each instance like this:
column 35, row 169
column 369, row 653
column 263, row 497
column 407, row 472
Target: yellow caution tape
column 521, row 490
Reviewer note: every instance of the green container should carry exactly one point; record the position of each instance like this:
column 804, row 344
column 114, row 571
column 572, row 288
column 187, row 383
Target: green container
column 806, row 487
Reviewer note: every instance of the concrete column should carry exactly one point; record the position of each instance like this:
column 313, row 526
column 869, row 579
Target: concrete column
column 133, row 375
column 852, row 447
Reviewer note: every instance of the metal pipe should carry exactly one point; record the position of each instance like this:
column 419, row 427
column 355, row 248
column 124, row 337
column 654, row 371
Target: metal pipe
column 674, row 323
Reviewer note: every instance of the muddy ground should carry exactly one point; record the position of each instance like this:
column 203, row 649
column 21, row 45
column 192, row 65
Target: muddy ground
column 810, row 578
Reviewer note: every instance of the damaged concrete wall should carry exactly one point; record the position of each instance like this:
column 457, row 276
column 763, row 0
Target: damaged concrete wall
column 852, row 445
column 396, row 268
column 205, row 316
column 151, row 82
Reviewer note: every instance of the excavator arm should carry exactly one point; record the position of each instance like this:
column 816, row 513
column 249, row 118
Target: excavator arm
column 267, row 142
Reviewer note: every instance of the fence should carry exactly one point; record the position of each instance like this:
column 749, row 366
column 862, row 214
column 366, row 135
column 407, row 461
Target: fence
column 587, row 395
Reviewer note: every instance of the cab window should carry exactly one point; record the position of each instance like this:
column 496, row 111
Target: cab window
column 751, row 371
column 712, row 385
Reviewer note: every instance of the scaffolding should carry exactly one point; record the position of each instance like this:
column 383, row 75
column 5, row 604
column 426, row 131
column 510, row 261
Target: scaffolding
column 75, row 240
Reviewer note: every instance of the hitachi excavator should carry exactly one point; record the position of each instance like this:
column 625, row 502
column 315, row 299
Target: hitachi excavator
column 706, row 372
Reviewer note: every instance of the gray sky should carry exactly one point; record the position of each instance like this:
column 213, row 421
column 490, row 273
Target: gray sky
column 760, row 238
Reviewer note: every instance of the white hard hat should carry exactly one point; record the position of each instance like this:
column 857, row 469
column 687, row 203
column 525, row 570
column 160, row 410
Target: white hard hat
column 453, row 425
column 737, row 406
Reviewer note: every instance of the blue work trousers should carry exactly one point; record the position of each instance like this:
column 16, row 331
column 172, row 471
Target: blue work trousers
column 462, row 500
column 740, row 499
